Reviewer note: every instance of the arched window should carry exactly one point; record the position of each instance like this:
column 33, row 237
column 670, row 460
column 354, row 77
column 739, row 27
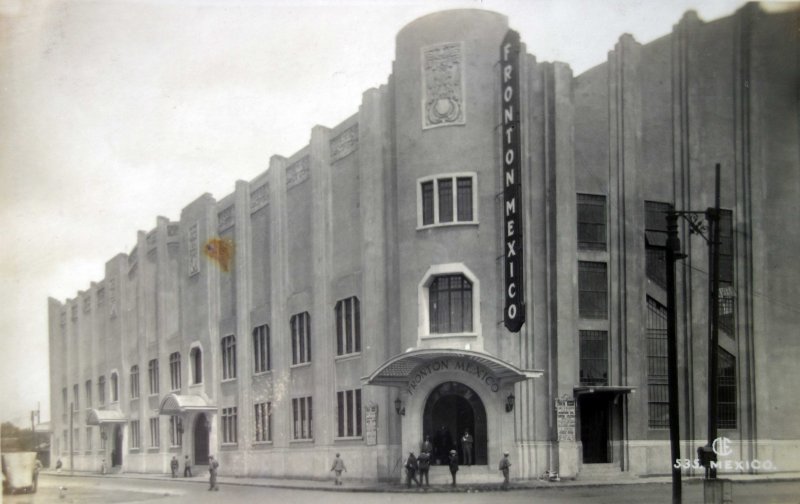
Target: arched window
column 114, row 387
column 196, row 360
column 450, row 304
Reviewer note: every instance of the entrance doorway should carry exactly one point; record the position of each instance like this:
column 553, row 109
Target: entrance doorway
column 451, row 410
column 595, row 425
column 116, row 453
column 200, row 431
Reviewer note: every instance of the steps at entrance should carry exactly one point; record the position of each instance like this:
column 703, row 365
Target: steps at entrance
column 602, row 472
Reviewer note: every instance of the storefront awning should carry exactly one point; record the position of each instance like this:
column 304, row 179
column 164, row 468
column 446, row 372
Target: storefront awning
column 603, row 389
column 397, row 371
column 100, row 417
column 174, row 404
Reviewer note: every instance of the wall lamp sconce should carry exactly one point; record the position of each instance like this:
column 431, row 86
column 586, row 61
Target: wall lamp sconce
column 510, row 402
column 399, row 408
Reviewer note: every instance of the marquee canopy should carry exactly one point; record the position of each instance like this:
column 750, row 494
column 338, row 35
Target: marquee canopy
column 100, row 417
column 174, row 404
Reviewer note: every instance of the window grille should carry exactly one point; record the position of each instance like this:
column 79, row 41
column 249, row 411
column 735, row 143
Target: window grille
column 591, row 222
column 592, row 290
column 657, row 388
column 348, row 326
column 594, row 357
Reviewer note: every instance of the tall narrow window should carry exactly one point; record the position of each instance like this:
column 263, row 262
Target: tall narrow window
column 348, row 326
column 229, row 428
column 464, row 199
column 591, row 222
column 175, row 431
column 88, row 439
column 155, row 434
column 229, row 357
column 77, row 404
column 261, row 349
column 348, row 407
column 134, row 382
column 101, row 390
column 263, row 417
column 152, row 372
column 655, row 231
column 64, row 403
column 447, row 199
column 196, row 356
column 450, row 304
column 134, row 437
column 427, row 203
column 301, row 338
column 727, row 321
column 594, row 357
column 592, row 290
column 657, row 389
column 175, row 370
column 88, row 390
column 114, row 387
column 302, row 417
column 726, row 390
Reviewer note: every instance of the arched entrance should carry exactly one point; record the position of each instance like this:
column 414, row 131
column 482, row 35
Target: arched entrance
column 451, row 409
column 116, row 453
column 200, row 432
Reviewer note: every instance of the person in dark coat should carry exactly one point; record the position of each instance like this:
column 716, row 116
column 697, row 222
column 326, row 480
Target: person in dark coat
column 173, row 464
column 453, row 465
column 411, row 470
column 213, row 465
column 337, row 468
column 187, row 467
column 424, row 465
column 466, row 447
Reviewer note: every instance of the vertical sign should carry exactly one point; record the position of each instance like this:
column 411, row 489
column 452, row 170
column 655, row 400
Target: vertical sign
column 371, row 424
column 565, row 418
column 514, row 311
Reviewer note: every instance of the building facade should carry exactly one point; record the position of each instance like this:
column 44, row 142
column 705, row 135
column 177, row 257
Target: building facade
column 471, row 251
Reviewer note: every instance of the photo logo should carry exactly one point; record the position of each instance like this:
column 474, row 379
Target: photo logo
column 722, row 446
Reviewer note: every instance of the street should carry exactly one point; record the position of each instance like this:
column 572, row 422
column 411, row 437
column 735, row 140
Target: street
column 90, row 490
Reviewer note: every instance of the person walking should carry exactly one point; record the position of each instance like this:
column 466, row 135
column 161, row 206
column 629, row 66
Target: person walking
column 187, row 467
column 411, row 470
column 36, row 469
column 453, row 465
column 426, row 446
column 59, row 464
column 424, row 465
column 337, row 468
column 103, row 467
column 173, row 464
column 504, row 466
column 466, row 447
column 213, row 465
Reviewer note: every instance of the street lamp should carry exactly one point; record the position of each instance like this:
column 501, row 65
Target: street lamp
column 399, row 408
column 510, row 402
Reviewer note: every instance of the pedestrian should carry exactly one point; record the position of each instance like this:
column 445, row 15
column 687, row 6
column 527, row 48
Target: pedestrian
column 504, row 466
column 424, row 464
column 426, row 446
column 213, row 465
column 337, row 468
column 187, row 467
column 36, row 468
column 466, row 447
column 58, row 465
column 411, row 470
column 173, row 464
column 453, row 465
column 103, row 467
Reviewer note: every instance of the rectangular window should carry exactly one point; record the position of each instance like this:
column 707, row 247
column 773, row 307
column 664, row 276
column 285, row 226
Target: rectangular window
column 88, row 439
column 66, row 441
column 155, row 433
column 464, row 201
column 592, row 290
column 134, row 437
column 348, row 404
column 229, row 434
column 655, row 232
column 447, row 200
column 64, row 403
column 88, row 390
column 152, row 372
column 591, row 222
column 450, row 304
column 175, row 370
column 594, row 357
column 77, row 404
column 657, row 389
column 727, row 321
column 76, row 439
column 229, row 357
column 134, row 382
column 175, row 431
column 348, row 326
column 427, row 203
column 261, row 349
column 114, row 387
column 726, row 390
column 263, row 413
column 101, row 390
column 301, row 338
column 302, row 418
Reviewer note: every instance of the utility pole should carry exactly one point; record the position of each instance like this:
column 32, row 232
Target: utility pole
column 673, row 254
column 712, row 215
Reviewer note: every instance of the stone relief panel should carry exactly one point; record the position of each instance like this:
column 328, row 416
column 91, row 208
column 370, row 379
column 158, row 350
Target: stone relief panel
column 298, row 173
column 193, row 236
column 443, row 85
column 172, row 230
column 226, row 218
column 259, row 197
column 112, row 297
column 344, row 144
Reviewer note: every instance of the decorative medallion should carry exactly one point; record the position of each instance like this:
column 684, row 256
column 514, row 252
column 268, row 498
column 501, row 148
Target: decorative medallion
column 259, row 197
column 226, row 218
column 298, row 173
column 344, row 144
column 442, row 85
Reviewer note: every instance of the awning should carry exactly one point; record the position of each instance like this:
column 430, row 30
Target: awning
column 100, row 417
column 397, row 371
column 174, row 404
column 603, row 389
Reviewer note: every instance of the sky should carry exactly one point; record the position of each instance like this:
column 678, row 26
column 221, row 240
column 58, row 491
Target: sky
column 113, row 113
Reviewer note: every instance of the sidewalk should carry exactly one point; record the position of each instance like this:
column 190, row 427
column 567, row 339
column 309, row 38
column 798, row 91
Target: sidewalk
column 396, row 487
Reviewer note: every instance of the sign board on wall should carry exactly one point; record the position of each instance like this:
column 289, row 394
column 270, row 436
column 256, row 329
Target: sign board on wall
column 371, row 424
column 565, row 418
column 514, row 311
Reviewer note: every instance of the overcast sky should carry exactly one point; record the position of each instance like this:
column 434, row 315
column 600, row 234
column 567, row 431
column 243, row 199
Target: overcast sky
column 115, row 112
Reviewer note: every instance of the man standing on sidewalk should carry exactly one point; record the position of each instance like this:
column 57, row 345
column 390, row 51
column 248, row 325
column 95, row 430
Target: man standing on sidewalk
column 411, row 470
column 187, row 467
column 453, row 465
column 424, row 464
column 213, row 465
column 173, row 464
column 504, row 466
column 337, row 468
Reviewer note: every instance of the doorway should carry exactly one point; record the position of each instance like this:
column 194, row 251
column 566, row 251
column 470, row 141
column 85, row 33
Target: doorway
column 594, row 413
column 200, row 432
column 451, row 410
column 116, row 453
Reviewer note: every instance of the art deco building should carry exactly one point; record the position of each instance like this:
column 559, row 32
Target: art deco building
column 467, row 252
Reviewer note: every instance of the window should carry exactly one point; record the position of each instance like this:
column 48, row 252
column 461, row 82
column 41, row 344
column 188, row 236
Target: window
column 348, row 326
column 88, row 439
column 76, row 397
column 655, row 231
column 76, row 439
column 152, row 373
column 88, row 390
column 175, row 370
column 450, row 304
column 101, row 390
column 301, row 415
column 134, row 434
column 261, row 349
column 301, row 338
column 175, row 431
column 727, row 321
column 196, row 356
column 229, row 357
column 66, row 440
column 114, row 387
column 229, row 434
column 726, row 390
column 447, row 199
column 134, row 382
column 657, row 390
column 263, row 412
column 592, row 290
column 591, row 222
column 155, row 434
column 594, row 357
column 64, row 403
column 348, row 407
